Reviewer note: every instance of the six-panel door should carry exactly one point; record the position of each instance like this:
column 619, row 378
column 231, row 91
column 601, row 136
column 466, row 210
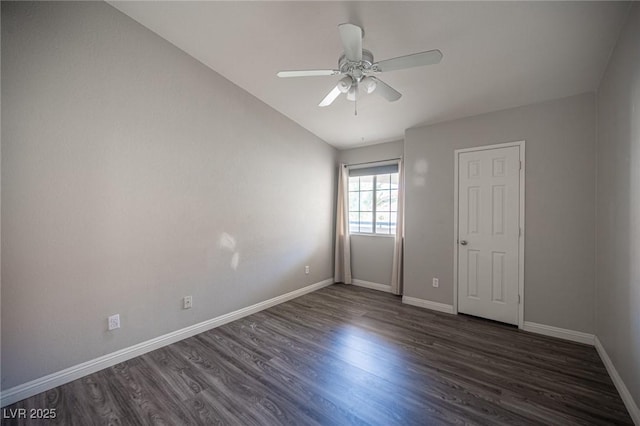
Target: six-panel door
column 488, row 233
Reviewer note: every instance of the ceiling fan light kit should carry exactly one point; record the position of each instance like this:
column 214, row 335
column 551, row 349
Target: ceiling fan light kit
column 369, row 84
column 345, row 84
column 352, row 94
column 357, row 65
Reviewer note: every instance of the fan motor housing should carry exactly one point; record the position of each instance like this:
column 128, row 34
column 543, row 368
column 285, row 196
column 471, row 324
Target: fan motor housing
column 356, row 69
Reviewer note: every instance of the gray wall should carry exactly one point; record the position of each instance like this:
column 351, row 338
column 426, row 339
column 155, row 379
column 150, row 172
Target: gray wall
column 365, row 154
column 372, row 256
column 124, row 162
column 618, row 238
column 560, row 199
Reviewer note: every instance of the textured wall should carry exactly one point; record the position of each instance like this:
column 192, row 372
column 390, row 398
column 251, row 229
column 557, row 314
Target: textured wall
column 132, row 175
column 559, row 205
column 618, row 282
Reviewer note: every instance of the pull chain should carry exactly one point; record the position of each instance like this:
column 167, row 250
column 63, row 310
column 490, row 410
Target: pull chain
column 355, row 106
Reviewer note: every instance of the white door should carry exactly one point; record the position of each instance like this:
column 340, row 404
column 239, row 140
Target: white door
column 488, row 233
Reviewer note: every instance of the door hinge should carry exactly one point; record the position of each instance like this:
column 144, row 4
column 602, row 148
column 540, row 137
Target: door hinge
column 518, row 299
column 520, row 165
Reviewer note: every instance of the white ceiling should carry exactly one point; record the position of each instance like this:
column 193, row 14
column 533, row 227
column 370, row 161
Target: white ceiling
column 496, row 55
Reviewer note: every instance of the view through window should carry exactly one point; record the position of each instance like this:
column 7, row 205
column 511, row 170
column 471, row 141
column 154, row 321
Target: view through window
column 373, row 200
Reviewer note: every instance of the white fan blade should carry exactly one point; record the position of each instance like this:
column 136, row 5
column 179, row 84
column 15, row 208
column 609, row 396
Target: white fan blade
column 409, row 61
column 351, row 36
column 307, row 73
column 386, row 91
column 328, row 100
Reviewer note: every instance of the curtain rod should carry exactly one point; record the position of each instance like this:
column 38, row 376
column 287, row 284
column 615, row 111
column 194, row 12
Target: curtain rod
column 372, row 162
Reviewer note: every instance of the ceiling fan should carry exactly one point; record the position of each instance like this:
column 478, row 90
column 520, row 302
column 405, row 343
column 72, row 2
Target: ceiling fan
column 358, row 68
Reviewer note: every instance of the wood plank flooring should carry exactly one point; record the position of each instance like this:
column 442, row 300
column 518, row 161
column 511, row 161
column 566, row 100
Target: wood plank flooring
column 346, row 355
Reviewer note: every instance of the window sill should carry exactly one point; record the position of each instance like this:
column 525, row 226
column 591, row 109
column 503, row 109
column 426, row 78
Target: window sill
column 362, row 234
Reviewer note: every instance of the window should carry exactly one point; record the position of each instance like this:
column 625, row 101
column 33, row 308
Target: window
column 373, row 200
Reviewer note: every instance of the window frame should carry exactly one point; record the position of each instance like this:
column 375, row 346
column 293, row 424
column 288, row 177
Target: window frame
column 374, row 210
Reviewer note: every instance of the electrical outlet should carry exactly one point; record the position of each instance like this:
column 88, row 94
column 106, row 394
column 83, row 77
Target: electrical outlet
column 114, row 321
column 306, row 270
column 187, row 302
column 436, row 282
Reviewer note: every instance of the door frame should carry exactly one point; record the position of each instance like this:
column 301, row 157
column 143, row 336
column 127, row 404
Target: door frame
column 456, row 153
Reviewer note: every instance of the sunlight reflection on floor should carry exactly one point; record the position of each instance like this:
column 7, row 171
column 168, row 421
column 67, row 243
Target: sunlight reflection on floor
column 367, row 350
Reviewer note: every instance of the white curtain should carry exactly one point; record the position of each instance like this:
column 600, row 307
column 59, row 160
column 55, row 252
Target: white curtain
column 342, row 273
column 396, row 272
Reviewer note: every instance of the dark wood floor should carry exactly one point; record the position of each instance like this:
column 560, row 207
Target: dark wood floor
column 347, row 355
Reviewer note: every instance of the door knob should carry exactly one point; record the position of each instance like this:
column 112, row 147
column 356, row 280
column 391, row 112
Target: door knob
column 463, row 242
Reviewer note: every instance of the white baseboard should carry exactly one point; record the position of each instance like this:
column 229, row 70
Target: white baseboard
column 67, row 375
column 631, row 405
column 434, row 306
column 371, row 285
column 561, row 333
